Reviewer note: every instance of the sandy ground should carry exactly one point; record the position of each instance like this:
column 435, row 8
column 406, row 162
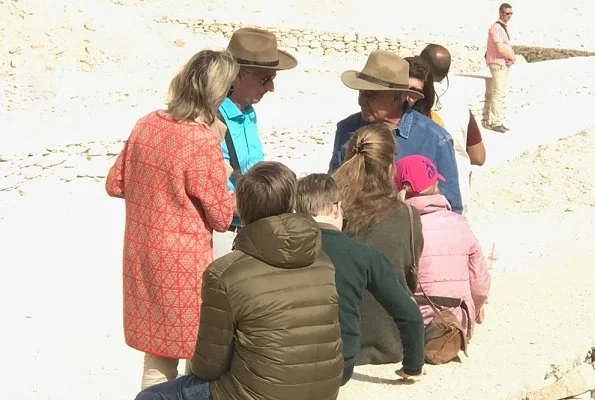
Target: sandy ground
column 76, row 76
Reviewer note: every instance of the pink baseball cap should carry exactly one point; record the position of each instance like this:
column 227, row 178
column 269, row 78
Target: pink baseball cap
column 419, row 171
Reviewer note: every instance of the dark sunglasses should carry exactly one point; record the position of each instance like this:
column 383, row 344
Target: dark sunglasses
column 268, row 79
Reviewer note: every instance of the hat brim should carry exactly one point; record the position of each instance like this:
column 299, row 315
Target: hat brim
column 286, row 61
column 352, row 81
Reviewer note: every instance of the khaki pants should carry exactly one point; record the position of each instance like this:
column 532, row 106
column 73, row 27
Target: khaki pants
column 159, row 369
column 495, row 94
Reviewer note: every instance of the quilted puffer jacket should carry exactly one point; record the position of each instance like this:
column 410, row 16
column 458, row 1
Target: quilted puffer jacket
column 451, row 264
column 269, row 326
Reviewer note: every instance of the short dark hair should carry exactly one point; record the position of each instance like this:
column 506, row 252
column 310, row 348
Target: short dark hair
column 504, row 6
column 265, row 190
column 438, row 58
column 316, row 194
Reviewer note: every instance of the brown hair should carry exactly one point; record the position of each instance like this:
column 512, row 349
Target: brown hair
column 266, row 190
column 420, row 69
column 200, row 87
column 504, row 6
column 316, row 194
column 365, row 179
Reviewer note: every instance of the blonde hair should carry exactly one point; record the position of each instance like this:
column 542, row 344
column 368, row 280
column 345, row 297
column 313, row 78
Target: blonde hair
column 316, row 194
column 202, row 84
column 365, row 178
column 405, row 192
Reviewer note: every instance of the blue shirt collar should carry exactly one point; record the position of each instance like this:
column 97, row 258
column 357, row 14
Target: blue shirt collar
column 232, row 111
column 404, row 126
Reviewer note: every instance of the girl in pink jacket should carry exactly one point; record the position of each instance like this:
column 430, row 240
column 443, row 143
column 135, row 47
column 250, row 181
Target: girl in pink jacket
column 451, row 264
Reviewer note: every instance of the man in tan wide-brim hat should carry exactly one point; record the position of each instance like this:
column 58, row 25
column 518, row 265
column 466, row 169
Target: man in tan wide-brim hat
column 383, row 86
column 256, row 52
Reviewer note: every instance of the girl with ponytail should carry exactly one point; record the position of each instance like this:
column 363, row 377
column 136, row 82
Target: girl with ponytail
column 375, row 216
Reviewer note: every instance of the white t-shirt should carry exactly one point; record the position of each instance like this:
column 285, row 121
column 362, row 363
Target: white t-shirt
column 452, row 106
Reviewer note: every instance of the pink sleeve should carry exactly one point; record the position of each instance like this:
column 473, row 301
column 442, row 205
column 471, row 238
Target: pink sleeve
column 114, row 183
column 206, row 180
column 479, row 276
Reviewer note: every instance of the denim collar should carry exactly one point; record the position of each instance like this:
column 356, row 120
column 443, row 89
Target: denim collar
column 404, row 126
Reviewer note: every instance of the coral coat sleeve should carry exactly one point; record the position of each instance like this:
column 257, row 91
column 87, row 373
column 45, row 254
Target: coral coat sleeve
column 479, row 276
column 214, row 347
column 114, row 184
column 206, row 180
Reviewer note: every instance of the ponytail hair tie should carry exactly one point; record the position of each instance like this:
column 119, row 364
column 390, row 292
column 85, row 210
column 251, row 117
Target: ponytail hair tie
column 358, row 148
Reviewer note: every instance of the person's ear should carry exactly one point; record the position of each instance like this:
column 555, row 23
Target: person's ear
column 336, row 209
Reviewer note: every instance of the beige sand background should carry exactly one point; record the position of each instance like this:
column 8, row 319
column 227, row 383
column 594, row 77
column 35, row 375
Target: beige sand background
column 75, row 76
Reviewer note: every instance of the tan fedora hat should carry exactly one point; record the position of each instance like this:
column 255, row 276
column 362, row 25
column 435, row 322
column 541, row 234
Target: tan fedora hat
column 258, row 48
column 383, row 71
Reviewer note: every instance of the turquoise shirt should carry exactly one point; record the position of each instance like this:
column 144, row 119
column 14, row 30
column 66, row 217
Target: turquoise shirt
column 244, row 133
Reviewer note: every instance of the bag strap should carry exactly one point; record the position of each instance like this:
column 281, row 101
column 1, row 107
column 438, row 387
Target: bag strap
column 411, row 234
column 504, row 27
column 231, row 148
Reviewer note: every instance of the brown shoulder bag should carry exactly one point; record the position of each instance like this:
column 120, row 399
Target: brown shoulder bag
column 444, row 335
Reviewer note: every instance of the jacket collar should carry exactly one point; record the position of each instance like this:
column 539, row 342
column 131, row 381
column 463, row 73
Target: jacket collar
column 429, row 204
column 404, row 126
column 231, row 111
column 328, row 227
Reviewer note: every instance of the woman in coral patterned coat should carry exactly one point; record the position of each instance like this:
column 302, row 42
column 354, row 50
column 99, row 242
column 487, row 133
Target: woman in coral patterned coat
column 173, row 178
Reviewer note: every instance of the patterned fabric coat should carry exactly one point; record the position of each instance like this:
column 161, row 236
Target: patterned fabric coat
column 172, row 177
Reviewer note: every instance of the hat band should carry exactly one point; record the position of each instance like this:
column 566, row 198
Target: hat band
column 380, row 82
column 257, row 63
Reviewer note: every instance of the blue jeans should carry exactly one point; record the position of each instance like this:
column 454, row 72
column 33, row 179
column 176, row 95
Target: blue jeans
column 187, row 387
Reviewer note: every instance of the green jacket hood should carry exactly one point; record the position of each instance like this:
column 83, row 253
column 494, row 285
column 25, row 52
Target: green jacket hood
column 284, row 241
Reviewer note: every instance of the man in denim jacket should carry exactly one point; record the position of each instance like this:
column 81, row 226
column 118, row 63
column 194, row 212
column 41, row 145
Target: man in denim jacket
column 383, row 86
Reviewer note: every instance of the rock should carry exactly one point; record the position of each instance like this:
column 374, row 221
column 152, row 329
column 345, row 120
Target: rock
column 89, row 26
column 319, row 51
column 576, row 382
column 349, row 37
column 327, row 44
column 290, row 42
column 339, row 45
column 314, row 44
column 179, row 43
column 15, row 50
column 330, row 51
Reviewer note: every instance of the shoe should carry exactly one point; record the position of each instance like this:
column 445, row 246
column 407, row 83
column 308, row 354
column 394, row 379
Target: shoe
column 505, row 127
column 498, row 128
column 485, row 124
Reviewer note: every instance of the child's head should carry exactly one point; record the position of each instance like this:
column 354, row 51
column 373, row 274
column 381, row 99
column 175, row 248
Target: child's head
column 266, row 190
column 416, row 175
column 318, row 195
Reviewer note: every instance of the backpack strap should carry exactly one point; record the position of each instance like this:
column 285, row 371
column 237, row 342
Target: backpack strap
column 231, row 148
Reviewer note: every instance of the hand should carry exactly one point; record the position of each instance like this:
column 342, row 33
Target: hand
column 228, row 170
column 480, row 314
column 405, row 375
column 235, row 202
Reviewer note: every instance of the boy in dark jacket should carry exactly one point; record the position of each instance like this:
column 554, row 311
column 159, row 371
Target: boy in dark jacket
column 269, row 326
column 359, row 267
